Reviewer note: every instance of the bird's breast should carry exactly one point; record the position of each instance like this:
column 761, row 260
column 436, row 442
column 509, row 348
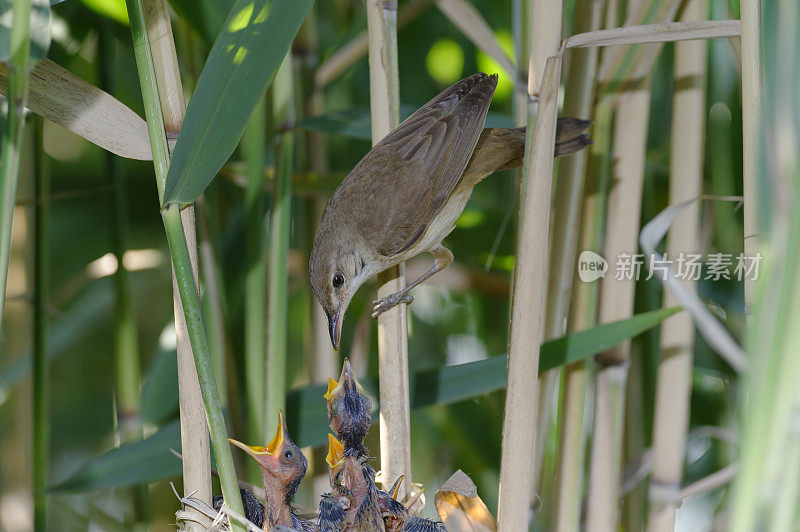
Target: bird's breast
column 442, row 224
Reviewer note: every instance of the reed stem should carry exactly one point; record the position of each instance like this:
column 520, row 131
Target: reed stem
column 384, row 91
column 752, row 98
column 164, row 108
column 255, row 281
column 530, row 275
column 616, row 303
column 126, row 342
column 41, row 290
column 570, row 205
column 769, row 404
column 280, row 224
column 674, row 382
column 20, row 46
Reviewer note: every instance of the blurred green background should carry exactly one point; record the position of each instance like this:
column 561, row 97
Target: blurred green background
column 455, row 319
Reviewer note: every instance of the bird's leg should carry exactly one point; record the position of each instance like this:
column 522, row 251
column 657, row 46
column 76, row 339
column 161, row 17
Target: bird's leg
column 443, row 257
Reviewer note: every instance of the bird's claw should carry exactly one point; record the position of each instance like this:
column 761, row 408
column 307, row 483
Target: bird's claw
column 385, row 303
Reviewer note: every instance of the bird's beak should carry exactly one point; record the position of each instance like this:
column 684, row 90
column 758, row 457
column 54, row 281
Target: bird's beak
column 348, row 378
column 335, row 452
column 262, row 454
column 335, row 322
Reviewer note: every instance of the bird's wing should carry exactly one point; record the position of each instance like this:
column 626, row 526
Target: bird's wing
column 422, row 160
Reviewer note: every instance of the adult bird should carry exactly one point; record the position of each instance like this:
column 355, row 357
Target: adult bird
column 404, row 197
column 283, row 466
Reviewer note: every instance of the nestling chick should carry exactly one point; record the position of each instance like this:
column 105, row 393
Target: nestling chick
column 354, row 491
column 349, row 410
column 404, row 197
column 283, row 466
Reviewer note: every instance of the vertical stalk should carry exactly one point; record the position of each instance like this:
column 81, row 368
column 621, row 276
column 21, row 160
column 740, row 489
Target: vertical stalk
column 255, row 281
column 164, row 107
column 280, row 224
column 384, row 96
column 41, row 409
column 530, row 275
column 126, row 342
column 20, row 46
column 566, row 217
column 212, row 300
column 673, row 388
column 570, row 204
column 522, row 43
column 752, row 97
column 769, row 401
column 324, row 361
column 616, row 303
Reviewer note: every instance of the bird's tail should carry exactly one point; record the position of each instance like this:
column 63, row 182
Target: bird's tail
column 503, row 148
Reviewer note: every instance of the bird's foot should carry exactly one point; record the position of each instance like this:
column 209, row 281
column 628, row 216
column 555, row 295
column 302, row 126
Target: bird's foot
column 385, row 303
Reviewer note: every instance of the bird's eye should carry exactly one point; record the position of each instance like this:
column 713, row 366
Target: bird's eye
column 338, row 280
column 287, row 454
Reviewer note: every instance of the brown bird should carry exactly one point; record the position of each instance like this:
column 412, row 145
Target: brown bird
column 283, row 466
column 405, row 195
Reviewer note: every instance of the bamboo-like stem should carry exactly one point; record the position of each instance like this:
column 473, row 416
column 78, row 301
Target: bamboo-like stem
column 569, row 198
column 126, row 341
column 785, row 513
column 616, row 303
column 324, row 362
column 530, row 275
column 522, row 42
column 41, row 409
column 673, row 388
column 322, row 359
column 384, row 96
column 255, row 280
column 19, row 48
column 212, row 301
column 769, row 405
column 164, row 107
column 752, row 97
column 544, row 43
column 280, row 221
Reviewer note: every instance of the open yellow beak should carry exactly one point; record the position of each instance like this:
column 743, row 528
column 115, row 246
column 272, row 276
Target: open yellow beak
column 332, row 385
column 258, row 452
column 346, row 380
column 335, row 452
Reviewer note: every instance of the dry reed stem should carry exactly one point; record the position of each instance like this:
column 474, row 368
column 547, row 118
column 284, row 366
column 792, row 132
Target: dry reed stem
column 616, row 303
column 194, row 434
column 568, row 204
column 674, row 382
column 395, row 429
column 752, row 96
column 527, row 309
column 545, row 34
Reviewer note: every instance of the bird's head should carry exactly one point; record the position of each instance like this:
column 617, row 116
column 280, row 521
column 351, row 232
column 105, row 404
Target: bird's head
column 282, row 463
column 349, row 408
column 337, row 269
